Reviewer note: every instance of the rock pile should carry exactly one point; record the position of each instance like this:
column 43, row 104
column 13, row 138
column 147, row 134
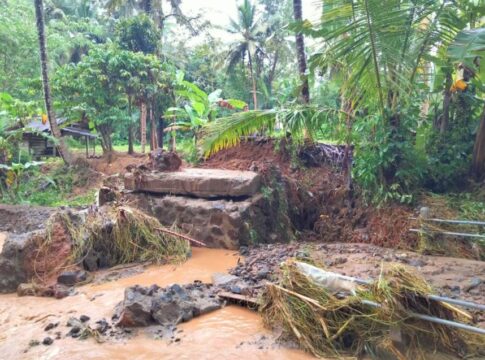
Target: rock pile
column 144, row 306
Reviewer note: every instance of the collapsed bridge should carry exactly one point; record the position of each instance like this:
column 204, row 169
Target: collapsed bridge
column 222, row 208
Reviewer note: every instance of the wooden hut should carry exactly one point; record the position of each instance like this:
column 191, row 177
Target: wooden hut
column 36, row 138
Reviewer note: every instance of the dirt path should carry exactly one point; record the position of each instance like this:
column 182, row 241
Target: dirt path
column 230, row 333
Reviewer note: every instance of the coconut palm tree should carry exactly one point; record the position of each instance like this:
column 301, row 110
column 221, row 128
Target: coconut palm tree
column 250, row 30
column 379, row 45
column 56, row 132
column 300, row 51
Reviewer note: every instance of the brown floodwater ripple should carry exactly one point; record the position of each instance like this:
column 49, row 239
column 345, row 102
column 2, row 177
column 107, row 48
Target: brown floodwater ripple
column 230, row 333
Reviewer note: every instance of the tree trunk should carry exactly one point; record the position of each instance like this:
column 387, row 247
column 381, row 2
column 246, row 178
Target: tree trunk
column 255, row 95
column 105, row 130
column 346, row 108
column 445, row 119
column 56, row 132
column 147, row 6
column 130, row 139
column 130, row 127
column 160, row 132
column 300, row 52
column 143, row 126
column 478, row 161
column 153, row 130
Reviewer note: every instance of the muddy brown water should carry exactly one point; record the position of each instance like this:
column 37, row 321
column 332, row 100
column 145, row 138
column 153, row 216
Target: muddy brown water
column 230, row 333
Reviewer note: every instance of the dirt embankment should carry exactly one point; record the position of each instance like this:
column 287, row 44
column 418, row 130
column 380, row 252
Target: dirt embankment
column 116, row 162
column 22, row 219
column 317, row 196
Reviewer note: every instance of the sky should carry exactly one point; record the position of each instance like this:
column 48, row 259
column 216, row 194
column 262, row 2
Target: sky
column 220, row 11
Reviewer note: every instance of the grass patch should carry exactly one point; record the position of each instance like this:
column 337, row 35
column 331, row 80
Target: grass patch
column 54, row 184
column 122, row 234
column 127, row 235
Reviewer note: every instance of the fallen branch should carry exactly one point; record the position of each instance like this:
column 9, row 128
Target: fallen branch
column 185, row 237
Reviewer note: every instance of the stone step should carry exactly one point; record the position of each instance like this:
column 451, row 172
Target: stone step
column 203, row 183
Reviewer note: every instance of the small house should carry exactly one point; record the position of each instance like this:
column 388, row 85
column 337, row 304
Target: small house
column 36, row 137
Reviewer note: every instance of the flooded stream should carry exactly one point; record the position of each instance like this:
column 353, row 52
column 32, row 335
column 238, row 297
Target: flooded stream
column 230, row 333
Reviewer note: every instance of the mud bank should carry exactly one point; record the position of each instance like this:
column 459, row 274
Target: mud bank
column 230, row 333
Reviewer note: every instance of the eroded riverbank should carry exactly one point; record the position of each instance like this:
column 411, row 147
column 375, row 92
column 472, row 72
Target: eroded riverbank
column 230, row 333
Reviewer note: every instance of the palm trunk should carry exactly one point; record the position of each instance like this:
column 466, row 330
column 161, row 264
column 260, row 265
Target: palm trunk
column 153, row 130
column 478, row 161
column 255, row 96
column 130, row 139
column 346, row 108
column 56, row 132
column 300, row 52
column 160, row 132
column 130, row 128
column 143, row 126
column 147, row 6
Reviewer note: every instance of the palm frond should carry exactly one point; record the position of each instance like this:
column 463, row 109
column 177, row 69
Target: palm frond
column 227, row 132
column 380, row 45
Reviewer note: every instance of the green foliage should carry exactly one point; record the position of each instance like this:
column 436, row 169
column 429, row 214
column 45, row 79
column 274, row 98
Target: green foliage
column 467, row 46
column 227, row 131
column 102, row 86
column 138, row 33
column 52, row 186
column 196, row 108
column 18, row 49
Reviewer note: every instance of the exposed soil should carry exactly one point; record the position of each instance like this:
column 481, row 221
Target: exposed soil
column 332, row 213
column 116, row 163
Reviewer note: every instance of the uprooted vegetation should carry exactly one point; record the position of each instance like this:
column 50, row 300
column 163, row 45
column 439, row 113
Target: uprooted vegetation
column 97, row 238
column 378, row 321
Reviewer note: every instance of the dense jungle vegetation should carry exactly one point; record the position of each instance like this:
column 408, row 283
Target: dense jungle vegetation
column 399, row 82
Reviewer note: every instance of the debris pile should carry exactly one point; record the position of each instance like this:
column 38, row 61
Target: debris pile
column 125, row 235
column 48, row 261
column 342, row 319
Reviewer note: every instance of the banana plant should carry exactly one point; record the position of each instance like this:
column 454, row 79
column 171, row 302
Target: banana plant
column 11, row 175
column 196, row 107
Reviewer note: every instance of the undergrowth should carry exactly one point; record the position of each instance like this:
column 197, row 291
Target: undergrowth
column 54, row 184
